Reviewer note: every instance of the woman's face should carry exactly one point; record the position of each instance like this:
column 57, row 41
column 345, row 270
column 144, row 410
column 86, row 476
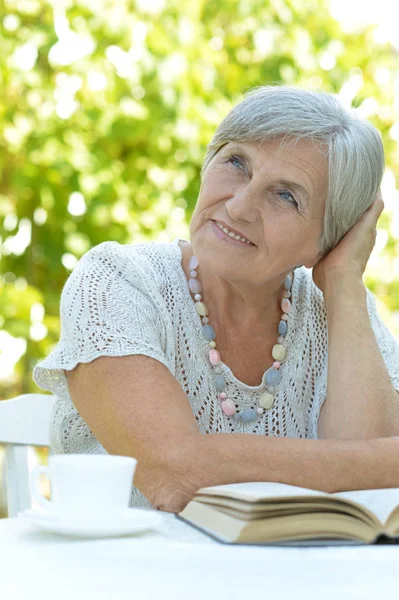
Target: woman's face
column 274, row 196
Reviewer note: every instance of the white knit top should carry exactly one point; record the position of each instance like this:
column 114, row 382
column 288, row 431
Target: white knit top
column 134, row 299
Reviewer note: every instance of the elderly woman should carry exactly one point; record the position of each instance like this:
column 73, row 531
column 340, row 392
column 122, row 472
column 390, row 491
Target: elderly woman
column 226, row 358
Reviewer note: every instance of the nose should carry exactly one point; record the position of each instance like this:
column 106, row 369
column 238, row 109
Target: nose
column 243, row 206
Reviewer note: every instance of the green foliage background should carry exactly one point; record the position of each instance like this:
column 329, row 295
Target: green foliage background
column 115, row 101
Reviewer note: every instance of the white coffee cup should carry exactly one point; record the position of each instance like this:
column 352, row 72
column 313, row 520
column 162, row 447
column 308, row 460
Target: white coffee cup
column 86, row 485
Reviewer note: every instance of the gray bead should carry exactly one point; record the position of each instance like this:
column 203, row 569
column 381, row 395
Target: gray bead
column 288, row 282
column 220, row 383
column 249, row 415
column 273, row 376
column 236, row 417
column 282, row 328
column 208, row 332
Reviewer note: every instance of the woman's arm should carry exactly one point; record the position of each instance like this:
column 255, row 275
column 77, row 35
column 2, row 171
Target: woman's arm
column 326, row 465
column 361, row 400
column 135, row 407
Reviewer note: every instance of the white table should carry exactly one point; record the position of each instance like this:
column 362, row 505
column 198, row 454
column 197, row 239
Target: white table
column 180, row 563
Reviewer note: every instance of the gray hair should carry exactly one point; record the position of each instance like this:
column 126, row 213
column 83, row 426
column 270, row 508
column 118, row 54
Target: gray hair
column 354, row 148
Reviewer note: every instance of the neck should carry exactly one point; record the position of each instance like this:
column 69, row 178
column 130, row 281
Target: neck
column 239, row 305
column 235, row 303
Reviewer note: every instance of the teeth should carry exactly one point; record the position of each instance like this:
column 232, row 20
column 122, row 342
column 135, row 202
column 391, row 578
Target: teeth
column 231, row 234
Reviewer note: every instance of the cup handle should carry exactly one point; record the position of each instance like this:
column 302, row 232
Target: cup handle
column 33, row 475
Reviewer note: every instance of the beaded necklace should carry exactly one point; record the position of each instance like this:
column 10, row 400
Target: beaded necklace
column 273, row 375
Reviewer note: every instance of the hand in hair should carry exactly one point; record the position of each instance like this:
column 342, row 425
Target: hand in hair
column 351, row 254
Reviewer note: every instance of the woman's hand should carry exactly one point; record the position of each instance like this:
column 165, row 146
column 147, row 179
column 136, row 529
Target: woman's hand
column 353, row 252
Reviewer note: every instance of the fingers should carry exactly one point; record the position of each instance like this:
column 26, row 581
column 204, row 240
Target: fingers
column 377, row 207
column 379, row 202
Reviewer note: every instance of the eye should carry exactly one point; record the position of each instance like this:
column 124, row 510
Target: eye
column 236, row 161
column 290, row 197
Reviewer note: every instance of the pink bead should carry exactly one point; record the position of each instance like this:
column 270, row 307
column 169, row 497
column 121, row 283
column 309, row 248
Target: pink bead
column 223, row 395
column 193, row 262
column 280, row 339
column 228, row 407
column 194, row 286
column 284, row 317
column 276, row 364
column 214, row 357
column 285, row 305
column 193, row 274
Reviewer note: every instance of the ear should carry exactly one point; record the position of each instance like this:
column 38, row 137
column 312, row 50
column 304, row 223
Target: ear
column 311, row 263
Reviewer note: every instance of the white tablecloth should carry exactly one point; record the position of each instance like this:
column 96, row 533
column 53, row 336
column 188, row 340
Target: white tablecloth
column 178, row 562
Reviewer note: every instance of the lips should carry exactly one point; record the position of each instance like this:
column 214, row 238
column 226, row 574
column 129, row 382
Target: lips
column 232, row 229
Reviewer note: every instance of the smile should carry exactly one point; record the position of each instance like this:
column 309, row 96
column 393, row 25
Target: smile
column 232, row 235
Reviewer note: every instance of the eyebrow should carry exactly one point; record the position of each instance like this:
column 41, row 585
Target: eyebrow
column 292, row 184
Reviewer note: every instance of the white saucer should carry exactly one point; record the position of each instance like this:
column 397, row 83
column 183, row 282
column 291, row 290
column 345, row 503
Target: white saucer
column 133, row 520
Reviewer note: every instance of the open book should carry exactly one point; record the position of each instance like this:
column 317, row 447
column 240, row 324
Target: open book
column 267, row 513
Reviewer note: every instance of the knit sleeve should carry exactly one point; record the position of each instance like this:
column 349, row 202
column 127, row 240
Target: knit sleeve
column 110, row 306
column 388, row 346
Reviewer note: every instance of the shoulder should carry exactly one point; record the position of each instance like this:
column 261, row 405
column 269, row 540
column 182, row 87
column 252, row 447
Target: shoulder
column 309, row 317
column 308, row 306
column 140, row 254
column 307, row 300
column 145, row 260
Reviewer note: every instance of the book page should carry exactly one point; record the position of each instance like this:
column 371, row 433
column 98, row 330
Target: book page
column 380, row 502
column 259, row 490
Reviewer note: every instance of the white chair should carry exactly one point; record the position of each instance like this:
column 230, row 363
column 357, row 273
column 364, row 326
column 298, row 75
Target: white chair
column 24, row 421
